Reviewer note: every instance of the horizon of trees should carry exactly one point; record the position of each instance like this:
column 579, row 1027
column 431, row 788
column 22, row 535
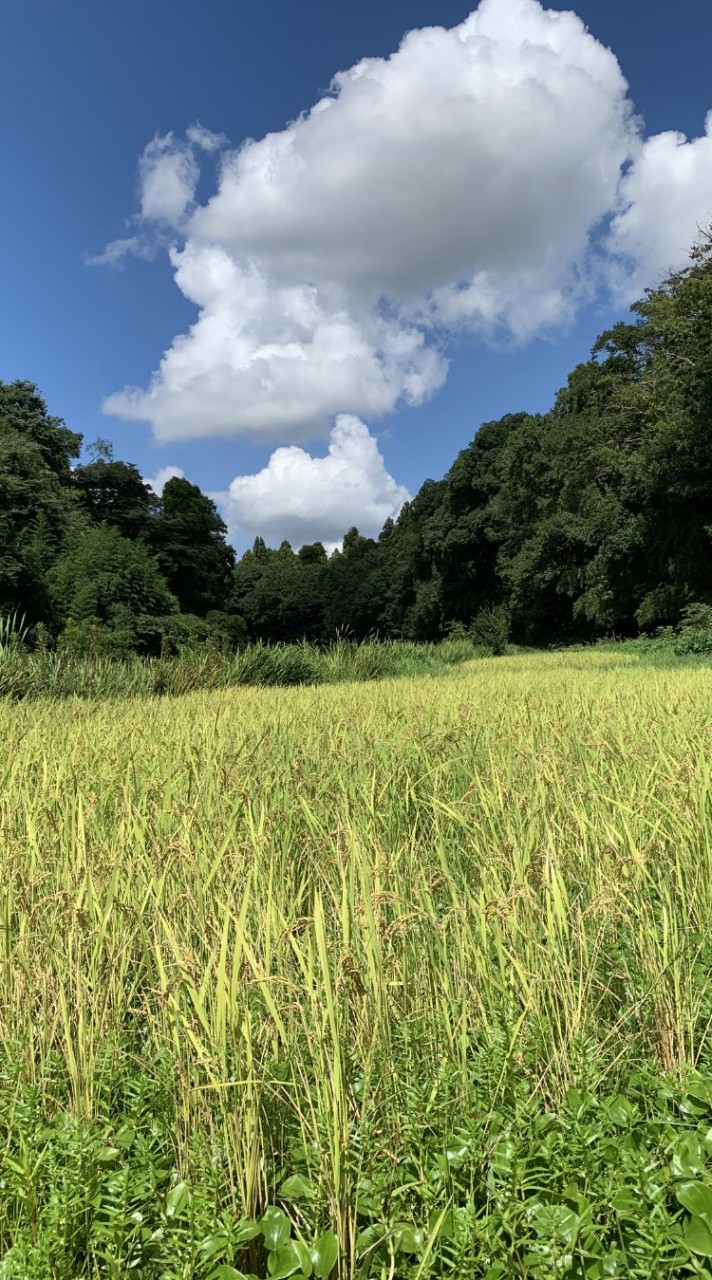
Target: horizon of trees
column 592, row 519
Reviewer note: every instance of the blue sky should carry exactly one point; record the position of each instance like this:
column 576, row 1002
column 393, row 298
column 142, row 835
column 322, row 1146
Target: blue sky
column 86, row 87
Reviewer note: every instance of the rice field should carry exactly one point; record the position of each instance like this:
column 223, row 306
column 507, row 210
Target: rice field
column 405, row 979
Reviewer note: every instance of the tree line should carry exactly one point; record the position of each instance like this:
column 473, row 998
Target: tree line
column 592, row 519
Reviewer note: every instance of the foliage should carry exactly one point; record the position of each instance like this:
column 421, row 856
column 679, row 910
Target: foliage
column 694, row 634
column 280, row 595
column 115, row 493
column 103, row 577
column 490, row 628
column 189, row 540
column 188, row 654
column 35, row 515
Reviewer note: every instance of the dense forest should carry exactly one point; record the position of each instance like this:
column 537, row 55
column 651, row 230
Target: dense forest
column 592, row 519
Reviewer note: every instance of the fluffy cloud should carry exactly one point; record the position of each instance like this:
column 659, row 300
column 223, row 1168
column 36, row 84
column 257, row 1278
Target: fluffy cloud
column 267, row 360
column 204, row 138
column 459, row 183
column 307, row 499
column 492, row 148
column 455, row 183
column 666, row 196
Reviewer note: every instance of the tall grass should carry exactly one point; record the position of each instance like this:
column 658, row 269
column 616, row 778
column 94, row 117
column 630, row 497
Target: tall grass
column 25, row 673
column 358, row 924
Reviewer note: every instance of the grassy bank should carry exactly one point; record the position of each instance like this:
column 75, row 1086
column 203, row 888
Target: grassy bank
column 400, row 980
column 27, row 673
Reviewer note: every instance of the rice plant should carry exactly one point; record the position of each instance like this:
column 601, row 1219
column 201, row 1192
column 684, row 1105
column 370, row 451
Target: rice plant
column 400, row 980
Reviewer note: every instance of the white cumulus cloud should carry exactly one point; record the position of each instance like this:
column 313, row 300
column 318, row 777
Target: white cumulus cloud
column 267, row 360
column 491, row 147
column 308, row 499
column 666, row 198
column 454, row 183
column 464, row 182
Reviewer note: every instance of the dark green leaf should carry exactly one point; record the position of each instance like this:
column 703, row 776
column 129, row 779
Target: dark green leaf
column 698, row 1236
column 696, row 1197
column 620, row 1111
column 688, row 1158
column 324, row 1255
column 275, row 1227
column 406, row 1239
column 371, row 1237
column 297, row 1188
column 289, row 1259
column 247, row 1229
column 226, row 1272
column 177, row 1200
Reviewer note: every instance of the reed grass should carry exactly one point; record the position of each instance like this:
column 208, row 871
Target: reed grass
column 61, row 673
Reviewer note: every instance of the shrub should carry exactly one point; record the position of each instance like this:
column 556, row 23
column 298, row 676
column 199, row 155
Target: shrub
column 694, row 634
column 490, row 628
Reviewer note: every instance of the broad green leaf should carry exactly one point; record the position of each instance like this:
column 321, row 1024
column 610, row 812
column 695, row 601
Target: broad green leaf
column 246, row 1229
column 691, row 1106
column 371, row 1237
column 456, row 1154
column 212, row 1245
column 446, row 1230
column 544, row 1122
column 688, row 1158
column 297, row 1188
column 324, row 1255
column 302, row 1251
column 275, row 1227
column 620, row 1111
column 125, row 1135
column 502, row 1156
column 612, row 1263
column 406, row 1239
column 368, row 1201
column 177, row 1200
column 626, row 1203
column 698, row 1236
column 701, row 1089
column 696, row 1197
column 574, row 1100
column 556, row 1222
column 108, row 1155
column 291, row 1258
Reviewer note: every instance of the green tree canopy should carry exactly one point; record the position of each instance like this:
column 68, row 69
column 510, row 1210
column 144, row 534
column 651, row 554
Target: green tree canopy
column 36, row 508
column 189, row 539
column 116, row 493
column 102, row 576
